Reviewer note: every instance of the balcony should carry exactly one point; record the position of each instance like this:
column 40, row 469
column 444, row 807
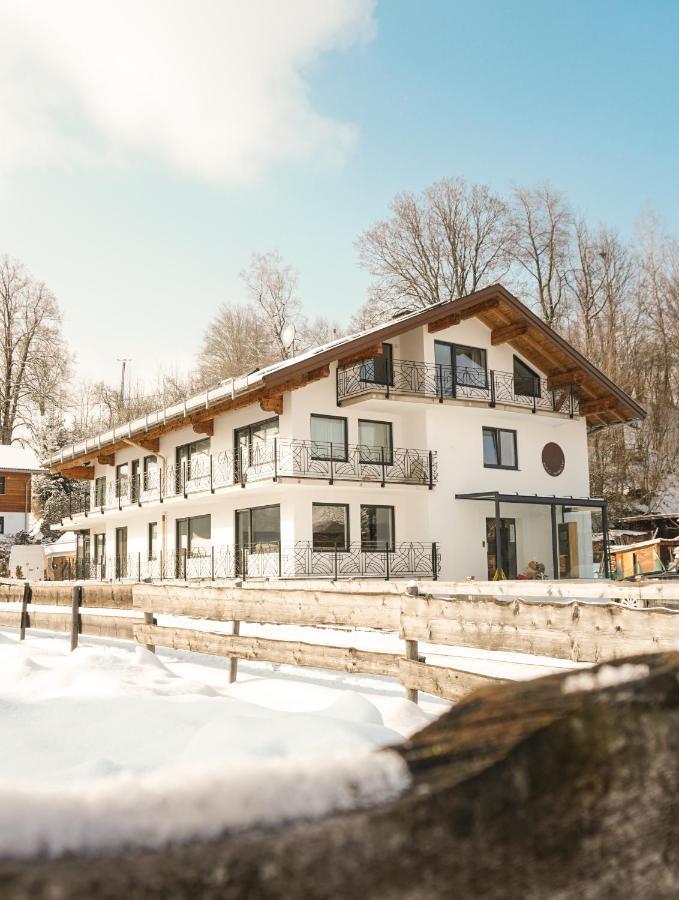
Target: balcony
column 273, row 460
column 301, row 559
column 417, row 379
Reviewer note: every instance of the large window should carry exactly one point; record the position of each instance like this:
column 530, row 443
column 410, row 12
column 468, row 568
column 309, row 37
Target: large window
column 375, row 442
column 153, row 540
column 377, row 527
column 330, row 526
column 150, row 472
column 459, row 365
column 499, row 448
column 99, row 548
column 2, row 484
column 253, row 443
column 100, row 491
column 329, row 438
column 194, row 535
column 259, row 525
column 379, row 369
column 526, row 381
column 192, row 459
column 122, row 479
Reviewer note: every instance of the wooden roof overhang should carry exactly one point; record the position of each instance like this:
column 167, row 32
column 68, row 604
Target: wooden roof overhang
column 601, row 401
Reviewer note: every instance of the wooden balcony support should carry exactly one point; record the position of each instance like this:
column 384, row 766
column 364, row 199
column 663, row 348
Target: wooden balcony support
column 507, row 332
column 204, row 426
column 80, row 473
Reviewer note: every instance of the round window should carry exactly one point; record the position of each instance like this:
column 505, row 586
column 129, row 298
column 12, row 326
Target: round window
column 553, row 459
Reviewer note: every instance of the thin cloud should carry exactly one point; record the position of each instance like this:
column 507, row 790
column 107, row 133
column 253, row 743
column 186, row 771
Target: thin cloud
column 214, row 89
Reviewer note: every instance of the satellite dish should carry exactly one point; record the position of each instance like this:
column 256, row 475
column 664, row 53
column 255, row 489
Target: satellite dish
column 288, row 336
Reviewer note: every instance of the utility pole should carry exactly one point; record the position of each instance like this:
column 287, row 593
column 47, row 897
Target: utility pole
column 123, row 363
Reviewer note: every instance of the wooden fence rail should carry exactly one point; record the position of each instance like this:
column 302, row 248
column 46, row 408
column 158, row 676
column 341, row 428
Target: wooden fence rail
column 577, row 630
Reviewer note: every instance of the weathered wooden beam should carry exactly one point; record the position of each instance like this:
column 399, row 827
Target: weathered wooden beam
column 507, row 332
column 596, row 405
column 152, row 444
column 80, row 473
column 368, row 353
column 316, row 374
column 445, row 322
column 106, row 459
column 570, row 376
column 272, row 404
column 441, row 681
column 204, row 426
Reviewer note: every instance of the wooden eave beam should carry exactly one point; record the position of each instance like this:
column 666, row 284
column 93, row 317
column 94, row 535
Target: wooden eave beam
column 446, row 322
column 150, row 444
column 570, row 376
column 273, row 404
column 106, row 459
column 597, row 405
column 204, row 426
column 80, row 473
column 454, row 318
column 506, row 332
column 368, row 353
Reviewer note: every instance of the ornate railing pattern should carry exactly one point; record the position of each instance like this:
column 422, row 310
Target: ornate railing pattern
column 301, row 559
column 458, row 383
column 279, row 458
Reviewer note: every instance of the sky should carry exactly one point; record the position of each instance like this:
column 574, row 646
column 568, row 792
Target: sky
column 147, row 149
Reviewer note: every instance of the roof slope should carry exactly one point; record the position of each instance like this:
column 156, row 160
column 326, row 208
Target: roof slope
column 602, row 401
column 14, row 458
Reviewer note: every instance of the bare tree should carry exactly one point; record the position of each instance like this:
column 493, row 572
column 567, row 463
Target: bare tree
column 35, row 362
column 541, row 248
column 234, row 342
column 272, row 289
column 444, row 244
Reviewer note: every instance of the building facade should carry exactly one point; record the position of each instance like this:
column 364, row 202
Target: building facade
column 447, row 443
column 17, row 466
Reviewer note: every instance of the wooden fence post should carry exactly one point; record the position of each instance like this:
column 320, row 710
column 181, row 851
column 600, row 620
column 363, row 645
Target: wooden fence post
column 411, row 653
column 233, row 661
column 76, row 603
column 25, row 600
column 150, row 619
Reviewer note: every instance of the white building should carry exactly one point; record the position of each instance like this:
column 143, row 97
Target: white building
column 397, row 452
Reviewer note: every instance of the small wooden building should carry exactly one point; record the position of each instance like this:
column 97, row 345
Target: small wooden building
column 17, row 467
column 642, row 557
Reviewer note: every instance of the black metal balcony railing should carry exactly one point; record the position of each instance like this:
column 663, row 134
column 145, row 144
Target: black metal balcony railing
column 301, row 559
column 458, row 383
column 279, row 458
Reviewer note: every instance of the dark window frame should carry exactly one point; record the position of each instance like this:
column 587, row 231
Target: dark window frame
column 498, row 444
column 2, row 524
column 347, row 537
column 95, row 544
column 249, row 427
column 392, row 543
column 537, row 389
column 124, row 465
column 100, row 480
column 375, row 462
column 389, row 382
column 332, row 457
column 249, row 510
column 152, row 556
column 189, row 519
column 454, row 347
column 3, row 486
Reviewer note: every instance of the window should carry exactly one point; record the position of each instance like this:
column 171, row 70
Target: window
column 499, row 448
column 192, row 458
column 122, row 479
column 153, row 540
column 2, row 524
column 330, row 525
column 259, row 525
column 253, row 443
column 375, row 442
column 100, row 491
column 459, row 365
column 150, row 472
column 526, row 381
column 379, row 369
column 329, row 438
column 2, row 484
column 377, row 527
column 99, row 548
column 135, row 486
column 193, row 536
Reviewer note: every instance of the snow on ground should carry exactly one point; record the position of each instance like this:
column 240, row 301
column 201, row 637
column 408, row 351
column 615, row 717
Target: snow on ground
column 111, row 745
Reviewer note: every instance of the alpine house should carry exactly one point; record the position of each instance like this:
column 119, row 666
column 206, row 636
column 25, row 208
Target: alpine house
column 450, row 443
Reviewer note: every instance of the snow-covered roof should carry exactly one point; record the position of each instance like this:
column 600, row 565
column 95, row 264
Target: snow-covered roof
column 621, row 548
column 15, row 458
column 63, row 546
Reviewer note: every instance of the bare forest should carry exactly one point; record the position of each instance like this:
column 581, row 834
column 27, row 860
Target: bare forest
column 616, row 300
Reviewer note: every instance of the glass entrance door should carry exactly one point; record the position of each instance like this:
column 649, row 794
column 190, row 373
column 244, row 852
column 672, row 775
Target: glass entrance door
column 121, row 552
column 507, row 545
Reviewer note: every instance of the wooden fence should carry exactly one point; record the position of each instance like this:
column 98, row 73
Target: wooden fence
column 576, row 630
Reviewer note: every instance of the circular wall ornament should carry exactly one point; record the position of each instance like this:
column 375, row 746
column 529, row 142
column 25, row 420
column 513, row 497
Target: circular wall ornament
column 553, row 459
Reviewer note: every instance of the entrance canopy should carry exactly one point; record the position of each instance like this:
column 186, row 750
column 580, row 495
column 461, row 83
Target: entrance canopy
column 567, row 518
